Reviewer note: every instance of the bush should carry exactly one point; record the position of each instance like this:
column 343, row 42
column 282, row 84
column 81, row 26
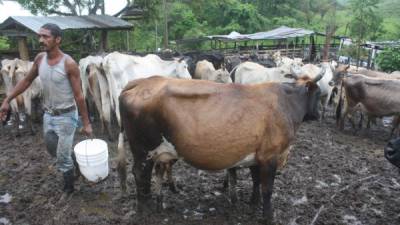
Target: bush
column 4, row 43
column 389, row 59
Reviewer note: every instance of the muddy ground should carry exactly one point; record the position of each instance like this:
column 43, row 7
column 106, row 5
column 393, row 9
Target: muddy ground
column 332, row 177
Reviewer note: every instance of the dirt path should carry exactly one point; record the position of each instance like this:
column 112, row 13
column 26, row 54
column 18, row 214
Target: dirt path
column 331, row 178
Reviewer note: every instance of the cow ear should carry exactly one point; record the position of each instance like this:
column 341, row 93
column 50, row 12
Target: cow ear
column 311, row 86
column 87, row 69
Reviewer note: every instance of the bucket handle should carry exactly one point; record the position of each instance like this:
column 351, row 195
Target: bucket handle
column 87, row 160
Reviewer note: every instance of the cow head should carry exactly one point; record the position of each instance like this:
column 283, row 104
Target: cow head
column 339, row 72
column 313, row 93
column 21, row 69
column 222, row 76
column 277, row 58
column 7, row 71
column 182, row 69
column 392, row 152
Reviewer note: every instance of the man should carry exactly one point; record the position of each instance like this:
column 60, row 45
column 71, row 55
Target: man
column 61, row 83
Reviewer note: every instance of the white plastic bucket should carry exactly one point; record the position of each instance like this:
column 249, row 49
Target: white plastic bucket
column 92, row 158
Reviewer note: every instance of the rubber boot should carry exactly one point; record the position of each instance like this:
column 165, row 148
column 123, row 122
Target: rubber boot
column 76, row 166
column 68, row 188
column 69, row 181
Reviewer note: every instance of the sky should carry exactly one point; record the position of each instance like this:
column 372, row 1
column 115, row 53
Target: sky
column 9, row 8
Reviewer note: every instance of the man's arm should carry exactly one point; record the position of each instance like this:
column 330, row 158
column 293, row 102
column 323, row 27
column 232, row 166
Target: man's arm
column 21, row 86
column 75, row 80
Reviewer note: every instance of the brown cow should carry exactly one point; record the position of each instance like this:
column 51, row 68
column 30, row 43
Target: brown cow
column 214, row 126
column 340, row 72
column 376, row 96
column 342, row 69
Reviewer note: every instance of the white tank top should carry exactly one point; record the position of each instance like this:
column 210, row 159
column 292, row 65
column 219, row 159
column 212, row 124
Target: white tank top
column 57, row 90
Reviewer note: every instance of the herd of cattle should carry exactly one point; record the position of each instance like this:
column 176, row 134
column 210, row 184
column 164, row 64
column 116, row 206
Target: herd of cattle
column 250, row 120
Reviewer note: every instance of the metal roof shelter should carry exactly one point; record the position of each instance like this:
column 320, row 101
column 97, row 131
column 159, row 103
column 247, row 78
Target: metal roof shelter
column 283, row 35
column 91, row 22
column 282, row 32
column 382, row 44
column 22, row 26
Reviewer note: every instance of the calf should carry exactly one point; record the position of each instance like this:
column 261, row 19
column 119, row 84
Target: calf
column 164, row 157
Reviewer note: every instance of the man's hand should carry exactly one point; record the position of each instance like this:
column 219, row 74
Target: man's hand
column 87, row 130
column 4, row 109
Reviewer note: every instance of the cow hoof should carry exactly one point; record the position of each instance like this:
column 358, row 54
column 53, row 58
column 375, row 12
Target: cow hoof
column 233, row 198
column 173, row 189
column 159, row 204
column 255, row 201
column 144, row 208
column 266, row 221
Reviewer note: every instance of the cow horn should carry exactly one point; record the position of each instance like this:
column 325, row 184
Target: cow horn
column 320, row 74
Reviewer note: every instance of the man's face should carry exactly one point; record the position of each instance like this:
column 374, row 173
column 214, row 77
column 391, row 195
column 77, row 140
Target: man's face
column 47, row 41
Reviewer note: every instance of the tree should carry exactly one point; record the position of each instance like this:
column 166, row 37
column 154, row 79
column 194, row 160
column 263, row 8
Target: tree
column 181, row 21
column 365, row 22
column 69, row 7
column 225, row 16
column 331, row 26
column 389, row 60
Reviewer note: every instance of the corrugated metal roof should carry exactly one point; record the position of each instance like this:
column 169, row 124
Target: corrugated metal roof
column 34, row 23
column 282, row 32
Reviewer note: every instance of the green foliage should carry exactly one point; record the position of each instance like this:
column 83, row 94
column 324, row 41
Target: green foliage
column 152, row 9
column 365, row 22
column 62, row 7
column 187, row 19
column 181, row 20
column 389, row 60
column 4, row 43
column 223, row 17
column 40, row 6
column 144, row 37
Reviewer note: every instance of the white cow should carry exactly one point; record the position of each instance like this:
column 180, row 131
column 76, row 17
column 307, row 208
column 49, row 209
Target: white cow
column 12, row 72
column 395, row 73
column 7, row 73
column 283, row 60
column 206, row 71
column 252, row 73
column 95, row 89
column 120, row 69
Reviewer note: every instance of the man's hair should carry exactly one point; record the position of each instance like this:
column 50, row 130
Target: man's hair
column 54, row 29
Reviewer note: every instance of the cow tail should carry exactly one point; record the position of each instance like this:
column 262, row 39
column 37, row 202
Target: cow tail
column 333, row 95
column 121, row 161
column 340, row 104
column 121, row 158
column 232, row 73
